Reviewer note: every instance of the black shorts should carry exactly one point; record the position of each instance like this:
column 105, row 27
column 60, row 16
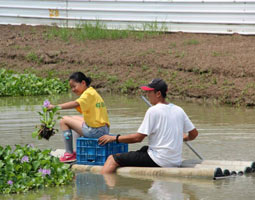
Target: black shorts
column 138, row 158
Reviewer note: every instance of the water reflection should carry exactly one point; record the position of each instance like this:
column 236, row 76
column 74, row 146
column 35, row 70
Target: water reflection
column 166, row 190
column 126, row 187
column 113, row 186
column 55, row 193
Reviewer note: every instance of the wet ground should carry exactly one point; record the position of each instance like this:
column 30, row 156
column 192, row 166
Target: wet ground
column 218, row 68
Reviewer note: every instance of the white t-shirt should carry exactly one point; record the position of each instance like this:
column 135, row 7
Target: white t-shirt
column 164, row 125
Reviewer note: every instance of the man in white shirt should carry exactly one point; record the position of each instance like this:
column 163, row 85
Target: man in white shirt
column 165, row 125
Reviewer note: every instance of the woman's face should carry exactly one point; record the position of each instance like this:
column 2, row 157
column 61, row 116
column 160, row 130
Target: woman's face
column 77, row 88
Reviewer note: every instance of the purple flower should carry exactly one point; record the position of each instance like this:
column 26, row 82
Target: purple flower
column 25, row 159
column 10, row 182
column 30, row 146
column 44, row 171
column 47, row 171
column 46, row 103
column 40, row 170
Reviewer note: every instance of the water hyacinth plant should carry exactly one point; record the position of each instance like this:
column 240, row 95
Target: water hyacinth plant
column 25, row 159
column 15, row 84
column 26, row 168
column 48, row 121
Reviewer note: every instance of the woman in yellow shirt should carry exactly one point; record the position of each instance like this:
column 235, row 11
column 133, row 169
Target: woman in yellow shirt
column 94, row 121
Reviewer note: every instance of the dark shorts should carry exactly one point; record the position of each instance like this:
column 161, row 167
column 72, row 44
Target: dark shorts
column 138, row 158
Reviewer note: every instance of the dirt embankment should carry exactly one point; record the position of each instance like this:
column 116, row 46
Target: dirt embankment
column 201, row 66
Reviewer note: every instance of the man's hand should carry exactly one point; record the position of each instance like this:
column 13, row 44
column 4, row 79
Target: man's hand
column 191, row 136
column 185, row 137
column 106, row 139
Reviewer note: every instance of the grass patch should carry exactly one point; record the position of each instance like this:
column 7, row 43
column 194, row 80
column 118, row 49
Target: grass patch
column 191, row 42
column 33, row 57
column 128, row 86
column 145, row 68
column 112, row 79
column 97, row 30
column 180, row 54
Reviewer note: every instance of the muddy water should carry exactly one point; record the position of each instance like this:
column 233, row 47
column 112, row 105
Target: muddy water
column 226, row 133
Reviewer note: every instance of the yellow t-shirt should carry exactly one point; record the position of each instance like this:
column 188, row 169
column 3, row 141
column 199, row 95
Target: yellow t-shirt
column 92, row 108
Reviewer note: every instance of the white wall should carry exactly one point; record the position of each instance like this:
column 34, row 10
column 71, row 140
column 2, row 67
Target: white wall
column 207, row 16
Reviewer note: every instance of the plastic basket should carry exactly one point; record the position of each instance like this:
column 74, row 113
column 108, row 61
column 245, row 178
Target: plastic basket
column 89, row 152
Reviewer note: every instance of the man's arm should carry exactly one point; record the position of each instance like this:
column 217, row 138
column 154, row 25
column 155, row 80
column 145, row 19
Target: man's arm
column 191, row 135
column 131, row 138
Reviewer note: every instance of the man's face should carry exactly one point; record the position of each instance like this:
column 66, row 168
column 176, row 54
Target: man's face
column 153, row 96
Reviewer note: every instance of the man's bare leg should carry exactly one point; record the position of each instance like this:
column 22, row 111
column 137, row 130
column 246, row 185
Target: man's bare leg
column 110, row 165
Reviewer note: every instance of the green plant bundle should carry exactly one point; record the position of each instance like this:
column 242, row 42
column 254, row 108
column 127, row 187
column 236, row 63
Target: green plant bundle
column 26, row 168
column 13, row 84
column 48, row 121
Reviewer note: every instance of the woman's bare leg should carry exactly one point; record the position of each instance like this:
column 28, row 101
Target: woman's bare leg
column 67, row 124
column 72, row 123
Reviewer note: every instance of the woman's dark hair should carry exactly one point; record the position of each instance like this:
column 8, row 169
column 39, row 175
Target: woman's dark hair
column 79, row 77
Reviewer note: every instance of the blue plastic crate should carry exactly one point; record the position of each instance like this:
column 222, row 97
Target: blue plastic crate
column 89, row 152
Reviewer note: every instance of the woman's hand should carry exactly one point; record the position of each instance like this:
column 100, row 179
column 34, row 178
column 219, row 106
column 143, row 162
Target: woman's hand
column 49, row 107
column 106, row 139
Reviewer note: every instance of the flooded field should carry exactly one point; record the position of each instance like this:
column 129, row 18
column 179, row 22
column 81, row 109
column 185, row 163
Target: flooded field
column 225, row 133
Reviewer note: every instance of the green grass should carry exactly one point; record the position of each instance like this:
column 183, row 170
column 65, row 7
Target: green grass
column 191, row 42
column 180, row 54
column 112, row 79
column 128, row 86
column 97, row 30
column 145, row 67
column 33, row 57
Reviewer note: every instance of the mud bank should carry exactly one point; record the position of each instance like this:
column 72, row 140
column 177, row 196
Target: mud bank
column 218, row 68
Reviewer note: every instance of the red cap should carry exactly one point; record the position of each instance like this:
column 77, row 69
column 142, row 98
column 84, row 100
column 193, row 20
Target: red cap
column 156, row 84
column 146, row 88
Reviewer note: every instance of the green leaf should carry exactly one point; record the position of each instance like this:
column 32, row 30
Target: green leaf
column 18, row 167
column 35, row 133
column 40, row 113
column 36, row 165
column 51, row 115
column 1, row 163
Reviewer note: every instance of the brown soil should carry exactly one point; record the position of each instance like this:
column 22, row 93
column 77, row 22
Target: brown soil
column 201, row 66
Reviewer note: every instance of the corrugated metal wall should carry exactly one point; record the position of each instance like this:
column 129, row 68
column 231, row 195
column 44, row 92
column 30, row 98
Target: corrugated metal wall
column 200, row 16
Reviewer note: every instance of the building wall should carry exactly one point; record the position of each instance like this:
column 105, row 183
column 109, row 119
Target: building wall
column 196, row 16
